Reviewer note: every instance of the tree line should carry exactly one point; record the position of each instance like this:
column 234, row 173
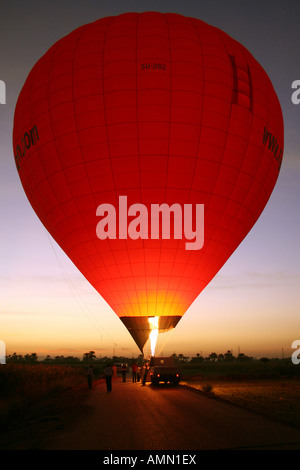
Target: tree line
column 90, row 356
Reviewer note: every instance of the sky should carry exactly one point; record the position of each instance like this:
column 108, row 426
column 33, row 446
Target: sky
column 251, row 306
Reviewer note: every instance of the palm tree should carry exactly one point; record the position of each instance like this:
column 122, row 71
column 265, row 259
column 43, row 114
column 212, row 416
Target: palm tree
column 89, row 356
column 213, row 357
column 228, row 356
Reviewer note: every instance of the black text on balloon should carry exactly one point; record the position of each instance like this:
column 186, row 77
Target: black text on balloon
column 270, row 140
column 154, row 66
column 28, row 140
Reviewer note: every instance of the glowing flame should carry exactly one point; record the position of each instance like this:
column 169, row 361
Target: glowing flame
column 153, row 321
column 153, row 338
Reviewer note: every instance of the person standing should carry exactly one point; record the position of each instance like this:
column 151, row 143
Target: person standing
column 133, row 368
column 138, row 373
column 124, row 371
column 108, row 373
column 89, row 375
column 145, row 373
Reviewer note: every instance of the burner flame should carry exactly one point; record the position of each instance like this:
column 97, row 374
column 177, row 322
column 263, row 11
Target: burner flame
column 153, row 322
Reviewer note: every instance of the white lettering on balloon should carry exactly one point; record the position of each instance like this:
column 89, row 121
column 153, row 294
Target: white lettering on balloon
column 161, row 215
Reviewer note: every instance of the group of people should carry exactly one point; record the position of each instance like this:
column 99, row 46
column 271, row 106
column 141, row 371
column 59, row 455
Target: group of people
column 108, row 374
column 138, row 374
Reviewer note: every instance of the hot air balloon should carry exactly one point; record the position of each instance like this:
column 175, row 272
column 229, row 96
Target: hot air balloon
column 140, row 112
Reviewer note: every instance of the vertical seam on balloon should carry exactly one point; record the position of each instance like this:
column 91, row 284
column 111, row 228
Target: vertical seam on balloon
column 193, row 23
column 80, row 146
column 178, row 242
column 128, row 254
column 139, row 160
column 51, row 122
column 170, row 113
column 171, row 276
column 108, row 147
column 220, row 164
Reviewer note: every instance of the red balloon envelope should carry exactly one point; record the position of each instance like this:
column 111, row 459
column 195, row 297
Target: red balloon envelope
column 135, row 111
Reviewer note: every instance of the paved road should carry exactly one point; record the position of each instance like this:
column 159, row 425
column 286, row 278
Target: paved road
column 134, row 417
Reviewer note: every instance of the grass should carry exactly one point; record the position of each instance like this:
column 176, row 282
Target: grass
column 24, row 385
column 278, row 400
column 269, row 388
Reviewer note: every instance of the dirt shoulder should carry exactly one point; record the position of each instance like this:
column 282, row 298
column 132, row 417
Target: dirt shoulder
column 275, row 399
